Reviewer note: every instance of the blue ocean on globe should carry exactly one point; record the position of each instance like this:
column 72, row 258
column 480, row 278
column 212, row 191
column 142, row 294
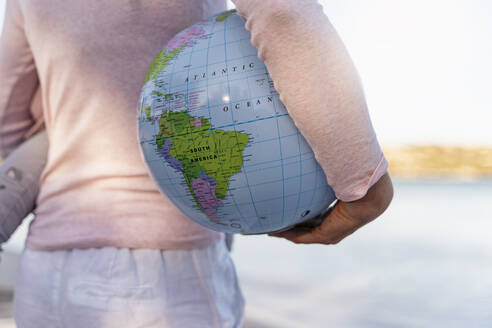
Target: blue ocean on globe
column 217, row 139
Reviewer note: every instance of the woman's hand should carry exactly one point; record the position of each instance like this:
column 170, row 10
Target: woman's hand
column 345, row 218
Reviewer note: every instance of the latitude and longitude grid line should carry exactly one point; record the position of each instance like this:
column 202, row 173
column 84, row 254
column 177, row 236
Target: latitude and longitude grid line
column 212, row 78
column 190, row 133
column 148, row 160
column 208, row 65
column 238, row 123
column 315, row 187
column 265, row 200
column 220, row 45
column 173, row 181
column 268, row 200
column 285, row 158
column 234, row 127
column 198, row 88
column 180, row 87
column 300, row 176
column 265, row 162
column 222, row 104
column 260, row 201
column 290, row 212
column 210, row 115
column 281, row 161
column 261, row 72
column 300, row 172
column 176, row 193
column 215, row 63
column 241, row 123
column 154, row 139
column 170, row 109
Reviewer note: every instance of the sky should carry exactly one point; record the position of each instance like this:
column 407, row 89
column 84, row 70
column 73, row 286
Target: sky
column 424, row 75
column 425, row 66
column 416, row 60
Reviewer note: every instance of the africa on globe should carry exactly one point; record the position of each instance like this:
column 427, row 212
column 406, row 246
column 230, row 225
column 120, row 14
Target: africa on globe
column 217, row 139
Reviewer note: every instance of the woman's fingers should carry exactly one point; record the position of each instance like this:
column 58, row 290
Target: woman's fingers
column 332, row 230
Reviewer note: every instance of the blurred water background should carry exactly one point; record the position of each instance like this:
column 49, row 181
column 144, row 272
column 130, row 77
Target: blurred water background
column 427, row 262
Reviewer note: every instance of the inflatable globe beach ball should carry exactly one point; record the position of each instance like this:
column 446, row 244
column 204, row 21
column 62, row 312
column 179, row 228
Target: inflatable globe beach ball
column 218, row 141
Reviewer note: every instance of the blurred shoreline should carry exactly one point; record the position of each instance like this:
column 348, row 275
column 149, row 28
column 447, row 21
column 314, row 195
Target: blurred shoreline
column 439, row 162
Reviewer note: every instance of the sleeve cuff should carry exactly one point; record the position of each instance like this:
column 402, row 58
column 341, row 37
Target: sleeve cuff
column 361, row 189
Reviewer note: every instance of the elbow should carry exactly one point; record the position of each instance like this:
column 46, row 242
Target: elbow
column 375, row 202
column 380, row 196
column 386, row 195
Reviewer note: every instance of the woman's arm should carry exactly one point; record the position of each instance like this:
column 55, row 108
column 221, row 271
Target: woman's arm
column 20, row 118
column 18, row 81
column 19, row 182
column 319, row 85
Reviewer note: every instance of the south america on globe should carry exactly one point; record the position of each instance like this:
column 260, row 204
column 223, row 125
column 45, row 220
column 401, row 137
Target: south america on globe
column 218, row 141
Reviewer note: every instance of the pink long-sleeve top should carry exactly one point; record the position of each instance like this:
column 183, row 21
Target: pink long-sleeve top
column 89, row 58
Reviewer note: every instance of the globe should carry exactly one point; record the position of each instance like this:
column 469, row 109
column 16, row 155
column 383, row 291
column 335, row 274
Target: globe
column 218, row 141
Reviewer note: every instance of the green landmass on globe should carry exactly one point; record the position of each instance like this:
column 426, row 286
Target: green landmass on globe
column 201, row 149
column 160, row 63
column 222, row 17
column 147, row 110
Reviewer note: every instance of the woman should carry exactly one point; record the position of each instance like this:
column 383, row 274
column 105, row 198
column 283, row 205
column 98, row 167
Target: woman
column 106, row 247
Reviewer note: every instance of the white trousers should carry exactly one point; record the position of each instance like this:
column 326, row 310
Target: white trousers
column 119, row 287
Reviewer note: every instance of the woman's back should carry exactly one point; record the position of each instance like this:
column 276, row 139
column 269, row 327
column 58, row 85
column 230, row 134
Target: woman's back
column 91, row 58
